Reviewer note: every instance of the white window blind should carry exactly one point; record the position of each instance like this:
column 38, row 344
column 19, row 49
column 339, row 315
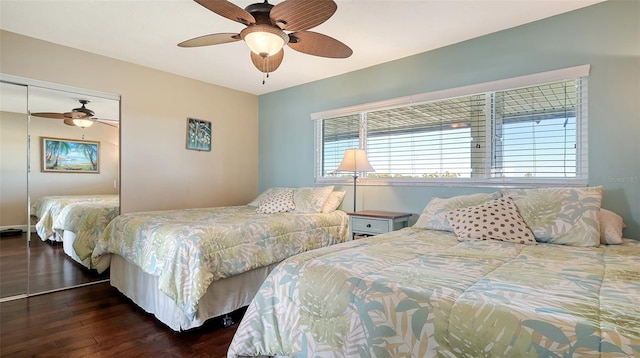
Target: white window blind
column 533, row 134
column 338, row 134
column 536, row 131
column 429, row 140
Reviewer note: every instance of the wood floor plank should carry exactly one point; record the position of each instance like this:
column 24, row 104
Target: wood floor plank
column 98, row 321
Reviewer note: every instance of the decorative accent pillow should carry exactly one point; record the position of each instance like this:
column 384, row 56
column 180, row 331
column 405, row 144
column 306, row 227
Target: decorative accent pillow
column 266, row 195
column 333, row 201
column 280, row 202
column 311, row 199
column 611, row 226
column 496, row 220
column 566, row 216
column 434, row 214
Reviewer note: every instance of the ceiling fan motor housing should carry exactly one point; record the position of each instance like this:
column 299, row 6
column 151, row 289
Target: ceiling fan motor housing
column 81, row 112
column 260, row 12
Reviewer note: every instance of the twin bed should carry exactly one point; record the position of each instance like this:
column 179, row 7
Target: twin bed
column 186, row 266
column 465, row 281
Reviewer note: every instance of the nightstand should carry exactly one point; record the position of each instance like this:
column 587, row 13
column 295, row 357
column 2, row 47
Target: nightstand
column 372, row 222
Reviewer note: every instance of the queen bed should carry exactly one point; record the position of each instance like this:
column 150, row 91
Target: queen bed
column 432, row 290
column 186, row 266
column 75, row 220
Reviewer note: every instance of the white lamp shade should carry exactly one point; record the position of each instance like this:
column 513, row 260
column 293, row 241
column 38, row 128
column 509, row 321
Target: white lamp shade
column 83, row 122
column 264, row 40
column 355, row 160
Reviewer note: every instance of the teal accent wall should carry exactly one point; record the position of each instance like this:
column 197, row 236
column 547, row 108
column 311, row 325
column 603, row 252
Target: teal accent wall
column 605, row 35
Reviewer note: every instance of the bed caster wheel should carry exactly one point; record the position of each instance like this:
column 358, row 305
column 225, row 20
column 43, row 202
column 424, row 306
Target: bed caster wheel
column 227, row 321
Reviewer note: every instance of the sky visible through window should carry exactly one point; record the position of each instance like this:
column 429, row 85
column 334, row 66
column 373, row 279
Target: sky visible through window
column 529, row 149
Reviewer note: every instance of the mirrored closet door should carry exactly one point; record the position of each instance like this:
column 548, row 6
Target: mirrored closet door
column 66, row 160
column 13, row 190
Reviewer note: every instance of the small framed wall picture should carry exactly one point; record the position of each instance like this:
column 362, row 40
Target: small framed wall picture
column 198, row 135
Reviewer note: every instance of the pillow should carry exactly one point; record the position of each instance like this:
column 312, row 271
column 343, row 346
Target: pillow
column 434, row 214
column 333, row 201
column 280, row 202
column 611, row 226
column 566, row 216
column 311, row 199
column 266, row 195
column 496, row 219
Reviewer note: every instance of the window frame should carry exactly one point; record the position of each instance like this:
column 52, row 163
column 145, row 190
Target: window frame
column 579, row 73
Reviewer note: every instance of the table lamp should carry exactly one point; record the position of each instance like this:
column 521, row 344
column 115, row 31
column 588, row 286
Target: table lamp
column 355, row 160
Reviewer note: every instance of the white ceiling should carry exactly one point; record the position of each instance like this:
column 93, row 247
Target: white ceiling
column 146, row 32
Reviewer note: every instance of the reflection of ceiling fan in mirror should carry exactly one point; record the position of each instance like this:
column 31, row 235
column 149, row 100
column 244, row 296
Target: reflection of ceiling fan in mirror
column 80, row 117
column 265, row 30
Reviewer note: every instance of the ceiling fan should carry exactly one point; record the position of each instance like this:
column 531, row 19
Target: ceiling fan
column 265, row 32
column 80, row 117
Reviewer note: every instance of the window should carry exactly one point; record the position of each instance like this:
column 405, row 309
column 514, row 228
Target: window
column 534, row 133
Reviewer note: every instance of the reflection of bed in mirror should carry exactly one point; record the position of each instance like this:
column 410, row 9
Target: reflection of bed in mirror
column 75, row 220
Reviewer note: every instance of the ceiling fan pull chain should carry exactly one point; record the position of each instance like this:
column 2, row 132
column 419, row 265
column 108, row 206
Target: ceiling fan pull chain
column 265, row 59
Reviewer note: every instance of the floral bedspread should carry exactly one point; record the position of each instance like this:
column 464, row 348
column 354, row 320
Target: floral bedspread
column 87, row 221
column 421, row 293
column 50, row 215
column 190, row 248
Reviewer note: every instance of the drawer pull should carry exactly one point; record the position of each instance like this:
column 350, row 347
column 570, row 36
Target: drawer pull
column 368, row 225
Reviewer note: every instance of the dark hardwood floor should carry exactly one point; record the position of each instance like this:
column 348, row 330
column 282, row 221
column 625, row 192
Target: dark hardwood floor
column 13, row 265
column 90, row 321
column 98, row 321
column 50, row 268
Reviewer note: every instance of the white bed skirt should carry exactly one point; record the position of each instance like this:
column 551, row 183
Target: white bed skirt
column 67, row 245
column 223, row 296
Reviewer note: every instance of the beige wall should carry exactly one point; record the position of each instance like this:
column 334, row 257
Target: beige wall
column 157, row 172
column 13, row 176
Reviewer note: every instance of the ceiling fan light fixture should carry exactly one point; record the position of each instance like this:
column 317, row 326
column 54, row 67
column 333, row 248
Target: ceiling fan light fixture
column 264, row 40
column 83, row 122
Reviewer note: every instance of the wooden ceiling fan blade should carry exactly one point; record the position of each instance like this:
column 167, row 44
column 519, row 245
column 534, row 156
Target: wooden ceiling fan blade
column 212, row 39
column 49, row 115
column 298, row 15
column 228, row 10
column 313, row 43
column 268, row 64
column 109, row 122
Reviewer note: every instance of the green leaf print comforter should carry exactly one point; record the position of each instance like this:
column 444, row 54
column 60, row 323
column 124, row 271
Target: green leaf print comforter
column 422, row 293
column 188, row 249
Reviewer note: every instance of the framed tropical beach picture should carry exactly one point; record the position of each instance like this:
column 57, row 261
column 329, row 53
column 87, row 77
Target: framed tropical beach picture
column 70, row 156
column 198, row 134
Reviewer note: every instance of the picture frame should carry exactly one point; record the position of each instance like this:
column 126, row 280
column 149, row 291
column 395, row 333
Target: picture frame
column 198, row 135
column 59, row 155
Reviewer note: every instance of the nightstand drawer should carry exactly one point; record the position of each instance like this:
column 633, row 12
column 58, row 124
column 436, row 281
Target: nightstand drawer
column 369, row 225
